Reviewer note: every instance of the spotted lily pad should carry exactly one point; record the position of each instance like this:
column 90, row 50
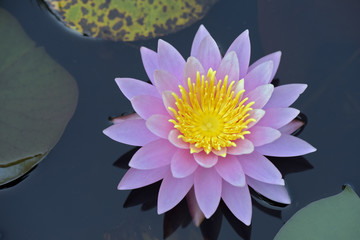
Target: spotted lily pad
column 37, row 99
column 336, row 217
column 128, row 20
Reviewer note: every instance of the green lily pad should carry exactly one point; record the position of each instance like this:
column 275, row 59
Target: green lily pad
column 336, row 217
column 13, row 172
column 37, row 99
column 128, row 20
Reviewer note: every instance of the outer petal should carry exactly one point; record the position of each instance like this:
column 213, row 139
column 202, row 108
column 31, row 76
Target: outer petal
column 165, row 81
column 274, row 57
column 146, row 106
column 194, row 208
column 285, row 95
column 292, row 126
column 241, row 46
column 278, row 117
column 238, row 201
column 120, row 119
column 135, row 178
column 286, row 146
column 153, row 155
column 260, row 168
column 159, row 125
column 170, row 59
column 150, row 62
column 132, row 87
column 229, row 66
column 209, row 53
column 199, row 36
column 277, row 193
column 177, row 142
column 132, row 131
column 260, row 95
column 206, row 160
column 172, row 190
column 231, row 171
column 242, row 147
column 191, row 68
column 183, row 164
column 260, row 75
column 207, row 186
column 262, row 135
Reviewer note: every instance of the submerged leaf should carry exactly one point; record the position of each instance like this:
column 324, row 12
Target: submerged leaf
column 37, row 99
column 128, row 20
column 335, row 217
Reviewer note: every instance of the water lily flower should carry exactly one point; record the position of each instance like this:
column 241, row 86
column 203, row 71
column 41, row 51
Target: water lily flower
column 205, row 124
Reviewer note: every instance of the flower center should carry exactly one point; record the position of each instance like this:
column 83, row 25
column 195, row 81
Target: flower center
column 211, row 114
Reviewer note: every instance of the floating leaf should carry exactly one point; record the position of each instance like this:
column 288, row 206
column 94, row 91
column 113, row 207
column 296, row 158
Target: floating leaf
column 13, row 172
column 37, row 99
column 128, row 20
column 336, row 217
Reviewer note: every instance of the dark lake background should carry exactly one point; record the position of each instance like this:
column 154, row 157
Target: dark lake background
column 72, row 193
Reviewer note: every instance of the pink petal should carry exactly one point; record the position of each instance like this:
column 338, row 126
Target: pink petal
column 238, row 200
column 146, row 105
column 170, row 59
column 177, row 142
column 132, row 132
column 207, row 186
column 260, row 75
column 131, row 87
column 285, row 95
column 120, row 119
column 159, row 125
column 242, row 147
column 153, row 155
column 206, row 160
column 208, row 53
column 286, row 146
column 229, row 66
column 183, row 164
column 231, row 171
column 199, row 36
column 262, row 135
column 292, row 126
column 256, row 114
column 150, row 62
column 191, row 68
column 278, row 117
column 172, row 191
column 260, row 168
column 194, row 208
column 241, row 46
column 169, row 101
column 135, row 178
column 260, row 95
column 165, row 81
column 277, row 193
column 274, row 57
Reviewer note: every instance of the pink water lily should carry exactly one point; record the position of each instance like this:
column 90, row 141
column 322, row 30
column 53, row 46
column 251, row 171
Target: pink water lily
column 205, row 124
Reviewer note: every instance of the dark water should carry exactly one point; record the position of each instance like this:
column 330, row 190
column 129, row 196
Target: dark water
column 72, row 193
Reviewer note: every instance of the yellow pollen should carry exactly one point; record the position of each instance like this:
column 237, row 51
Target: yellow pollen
column 210, row 115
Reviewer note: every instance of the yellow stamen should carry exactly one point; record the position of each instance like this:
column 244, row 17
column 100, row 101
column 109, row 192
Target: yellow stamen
column 208, row 115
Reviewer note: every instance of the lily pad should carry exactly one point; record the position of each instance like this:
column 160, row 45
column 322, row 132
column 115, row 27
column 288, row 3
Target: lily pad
column 37, row 99
column 128, row 20
column 336, row 217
